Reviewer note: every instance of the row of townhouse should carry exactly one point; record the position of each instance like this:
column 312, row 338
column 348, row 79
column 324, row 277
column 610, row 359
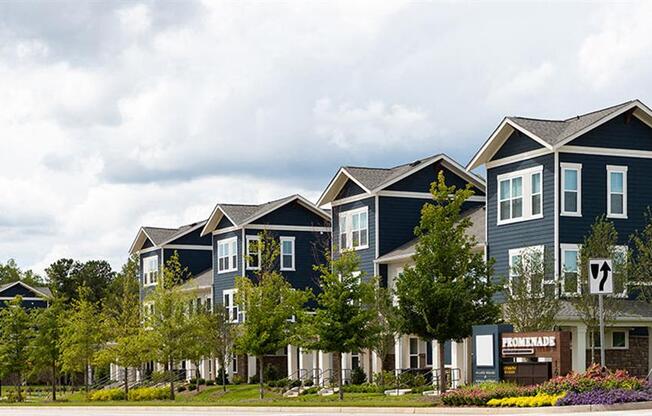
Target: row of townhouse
column 546, row 182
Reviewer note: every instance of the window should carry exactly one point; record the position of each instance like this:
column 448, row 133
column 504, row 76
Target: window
column 355, row 360
column 619, row 339
column 616, row 191
column 234, row 364
column 414, row 352
column 150, row 270
column 520, row 195
column 569, row 267
column 287, row 253
column 231, row 306
column 571, row 185
column 428, row 353
column 531, row 261
column 614, row 339
column 253, row 252
column 227, row 255
column 354, row 229
column 209, row 307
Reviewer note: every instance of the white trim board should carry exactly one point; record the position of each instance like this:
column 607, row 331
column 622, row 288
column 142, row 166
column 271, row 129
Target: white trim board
column 188, row 247
column 275, row 227
column 517, row 158
column 606, row 151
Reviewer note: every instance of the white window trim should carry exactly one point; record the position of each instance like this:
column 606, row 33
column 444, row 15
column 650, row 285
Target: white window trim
column 147, row 276
column 349, row 232
column 233, row 265
column 564, row 248
column 294, row 254
column 517, row 252
column 250, row 238
column 526, row 183
column 232, row 305
column 623, row 170
column 413, row 355
column 578, row 168
column 608, row 338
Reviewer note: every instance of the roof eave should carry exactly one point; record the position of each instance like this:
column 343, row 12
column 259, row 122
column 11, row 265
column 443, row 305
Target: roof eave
column 335, row 185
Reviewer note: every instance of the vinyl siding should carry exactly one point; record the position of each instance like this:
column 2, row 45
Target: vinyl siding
column 293, row 214
column 516, row 144
column 368, row 255
column 350, row 188
column 616, row 133
column 223, row 281
column 521, row 234
column 421, row 180
column 193, row 238
column 18, row 290
column 147, row 244
column 396, row 221
column 197, row 261
column 224, row 223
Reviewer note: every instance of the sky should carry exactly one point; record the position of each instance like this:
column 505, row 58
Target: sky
column 121, row 114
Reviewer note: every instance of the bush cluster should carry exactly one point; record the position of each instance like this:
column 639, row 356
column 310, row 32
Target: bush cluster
column 539, row 400
column 107, row 395
column 149, row 393
column 593, row 379
column 480, row 394
column 601, row 396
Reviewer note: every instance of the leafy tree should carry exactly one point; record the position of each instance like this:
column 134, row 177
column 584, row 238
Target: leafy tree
column 449, row 289
column 220, row 336
column 641, row 262
column 67, row 275
column 14, row 340
column 198, row 337
column 10, row 273
column 601, row 242
column 81, row 335
column 387, row 324
column 122, row 323
column 167, row 322
column 270, row 303
column 528, row 305
column 45, row 348
column 345, row 319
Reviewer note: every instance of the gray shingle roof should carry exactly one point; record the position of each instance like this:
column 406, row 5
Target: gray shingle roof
column 554, row 131
column 44, row 290
column 625, row 309
column 239, row 213
column 372, row 178
column 477, row 216
column 160, row 235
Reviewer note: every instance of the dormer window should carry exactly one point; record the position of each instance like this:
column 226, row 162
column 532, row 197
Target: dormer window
column 520, row 195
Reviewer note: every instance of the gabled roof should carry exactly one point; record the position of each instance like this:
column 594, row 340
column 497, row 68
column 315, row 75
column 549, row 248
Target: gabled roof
column 243, row 214
column 552, row 134
column 161, row 236
column 372, row 180
column 40, row 291
column 407, row 250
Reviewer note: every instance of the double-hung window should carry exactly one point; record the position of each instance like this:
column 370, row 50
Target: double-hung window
column 253, row 252
column 227, row 255
column 527, row 263
column 231, row 307
column 354, row 229
column 570, row 279
column 287, row 253
column 520, row 195
column 616, row 191
column 150, row 270
column 571, row 188
column 414, row 352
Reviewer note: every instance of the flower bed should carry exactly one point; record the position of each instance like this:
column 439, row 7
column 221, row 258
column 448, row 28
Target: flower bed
column 480, row 394
column 539, row 400
column 601, row 396
column 593, row 379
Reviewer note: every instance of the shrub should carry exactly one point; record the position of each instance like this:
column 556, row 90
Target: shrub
column 363, row 388
column 593, row 379
column 358, row 376
column 539, row 400
column 107, row 395
column 601, row 396
column 220, row 373
column 238, row 379
column 271, row 373
column 311, row 390
column 480, row 394
column 192, row 387
column 201, row 381
column 181, row 388
column 255, row 379
column 386, row 378
column 149, row 393
column 210, row 382
column 308, row 383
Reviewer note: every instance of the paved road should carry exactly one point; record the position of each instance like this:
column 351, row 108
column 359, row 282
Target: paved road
column 216, row 411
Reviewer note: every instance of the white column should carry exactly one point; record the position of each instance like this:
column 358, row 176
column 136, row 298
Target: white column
column 293, row 364
column 375, row 363
column 579, row 348
column 397, row 355
column 251, row 366
column 325, row 364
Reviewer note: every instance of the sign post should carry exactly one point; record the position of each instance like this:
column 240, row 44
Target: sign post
column 601, row 282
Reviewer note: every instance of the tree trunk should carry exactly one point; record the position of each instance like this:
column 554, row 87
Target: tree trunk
column 171, row 373
column 382, row 372
column 339, row 375
column 442, row 368
column 223, row 365
column 371, row 366
column 197, row 374
column 260, row 377
column 86, row 381
column 54, row 381
column 126, row 383
column 18, row 378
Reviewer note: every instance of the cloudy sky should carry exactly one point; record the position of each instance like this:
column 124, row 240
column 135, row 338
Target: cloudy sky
column 119, row 114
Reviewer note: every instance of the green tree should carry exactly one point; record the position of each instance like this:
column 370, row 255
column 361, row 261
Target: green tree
column 220, row 335
column 45, row 349
column 122, row 321
column 601, row 242
column 641, row 261
column 345, row 319
column 81, row 335
column 67, row 275
column 14, row 341
column 529, row 306
column 387, row 324
column 270, row 303
column 449, row 289
column 198, row 338
column 10, row 273
column 167, row 320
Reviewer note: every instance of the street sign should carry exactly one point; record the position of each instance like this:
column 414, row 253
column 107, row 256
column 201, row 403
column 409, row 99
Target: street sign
column 601, row 276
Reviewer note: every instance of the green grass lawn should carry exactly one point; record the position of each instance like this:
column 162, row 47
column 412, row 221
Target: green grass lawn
column 247, row 395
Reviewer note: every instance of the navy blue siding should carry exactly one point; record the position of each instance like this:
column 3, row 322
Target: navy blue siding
column 521, row 234
column 293, row 214
column 350, row 188
column 397, row 218
column 193, row 238
column 516, row 144
column 223, row 281
column 421, row 180
column 19, row 290
column 594, row 196
column 224, row 223
column 28, row 304
column 197, row 261
column 616, row 133
column 368, row 255
column 147, row 244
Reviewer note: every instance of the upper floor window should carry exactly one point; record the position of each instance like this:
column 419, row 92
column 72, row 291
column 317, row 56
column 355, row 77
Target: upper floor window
column 253, row 252
column 227, row 255
column 571, row 187
column 231, row 306
column 570, row 256
column 527, row 272
column 520, row 195
column 287, row 253
column 616, row 191
column 354, row 229
column 150, row 270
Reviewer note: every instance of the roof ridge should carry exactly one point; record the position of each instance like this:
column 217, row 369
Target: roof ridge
column 161, row 228
column 366, row 167
column 600, row 110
